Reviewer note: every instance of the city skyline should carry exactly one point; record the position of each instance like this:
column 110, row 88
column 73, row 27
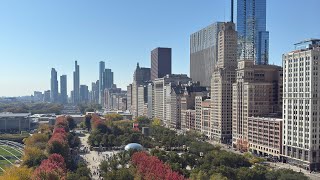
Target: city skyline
column 39, row 47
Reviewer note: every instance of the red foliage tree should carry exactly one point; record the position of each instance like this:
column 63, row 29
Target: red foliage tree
column 51, row 169
column 62, row 122
column 150, row 167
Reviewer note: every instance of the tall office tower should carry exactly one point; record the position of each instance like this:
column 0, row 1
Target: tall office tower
column 129, row 97
column 204, row 53
column 142, row 100
column 76, row 84
column 253, row 39
column 101, row 81
column 160, row 92
column 221, row 84
column 108, row 78
column 150, row 113
column 141, row 76
column 84, row 93
column 54, row 86
column 63, row 89
column 301, row 135
column 256, row 92
column 160, row 62
column 94, row 94
column 180, row 97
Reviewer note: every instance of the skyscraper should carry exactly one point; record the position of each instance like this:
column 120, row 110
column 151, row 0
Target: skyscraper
column 204, row 53
column 101, row 81
column 160, row 62
column 108, row 78
column 54, row 86
column 84, row 94
column 301, row 135
column 222, row 79
column 63, row 89
column 76, row 84
column 253, row 39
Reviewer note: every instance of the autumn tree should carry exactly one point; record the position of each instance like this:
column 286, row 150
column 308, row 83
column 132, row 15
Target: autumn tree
column 33, row 156
column 53, row 168
column 17, row 173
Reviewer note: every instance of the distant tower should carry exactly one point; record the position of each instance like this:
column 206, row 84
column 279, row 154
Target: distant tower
column 54, row 86
column 63, row 89
column 160, row 62
column 253, row 39
column 101, row 81
column 76, row 84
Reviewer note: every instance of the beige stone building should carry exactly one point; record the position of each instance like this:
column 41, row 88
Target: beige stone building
column 257, row 92
column 221, row 84
column 301, row 105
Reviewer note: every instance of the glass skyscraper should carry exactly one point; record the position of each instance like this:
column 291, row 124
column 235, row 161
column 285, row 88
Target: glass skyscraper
column 253, row 39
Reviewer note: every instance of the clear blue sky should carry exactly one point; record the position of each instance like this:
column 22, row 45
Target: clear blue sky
column 36, row 35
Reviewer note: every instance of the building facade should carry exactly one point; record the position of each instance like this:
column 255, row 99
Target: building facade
column 301, row 135
column 222, row 79
column 14, row 122
column 204, row 53
column 54, row 86
column 160, row 93
column 76, row 84
column 63, row 89
column 256, row 92
column 253, row 39
column 265, row 136
column 160, row 62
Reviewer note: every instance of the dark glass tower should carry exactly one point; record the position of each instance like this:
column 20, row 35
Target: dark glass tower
column 253, row 39
column 160, row 62
column 54, row 86
column 76, row 84
column 63, row 89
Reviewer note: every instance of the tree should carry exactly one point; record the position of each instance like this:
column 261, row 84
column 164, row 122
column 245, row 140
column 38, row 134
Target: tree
column 33, row 156
column 17, row 173
column 71, row 122
column 37, row 140
column 156, row 122
column 88, row 121
column 53, row 168
column 113, row 117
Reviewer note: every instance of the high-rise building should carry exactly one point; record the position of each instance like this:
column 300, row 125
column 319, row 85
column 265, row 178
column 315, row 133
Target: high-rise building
column 160, row 62
column 129, row 97
column 221, row 85
column 76, row 84
column 94, row 94
column 46, row 96
column 141, row 76
column 108, row 78
column 101, row 80
column 160, row 93
column 253, row 38
column 150, row 100
column 37, row 96
column 142, row 100
column 204, row 53
column 301, row 135
column 54, row 86
column 256, row 92
column 203, row 112
column 63, row 89
column 84, row 93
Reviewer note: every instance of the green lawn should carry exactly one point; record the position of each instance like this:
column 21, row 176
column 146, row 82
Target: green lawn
column 10, row 157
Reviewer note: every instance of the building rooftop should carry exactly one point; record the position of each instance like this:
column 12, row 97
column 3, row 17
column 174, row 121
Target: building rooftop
column 8, row 114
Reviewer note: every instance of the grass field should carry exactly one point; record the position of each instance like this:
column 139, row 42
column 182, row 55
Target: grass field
column 8, row 156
